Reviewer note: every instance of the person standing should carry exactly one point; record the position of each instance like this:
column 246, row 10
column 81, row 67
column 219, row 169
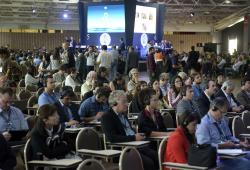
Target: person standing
column 151, row 64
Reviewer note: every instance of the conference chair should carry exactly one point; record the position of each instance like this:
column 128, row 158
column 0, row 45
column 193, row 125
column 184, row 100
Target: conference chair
column 24, row 95
column 88, row 138
column 239, row 128
column 246, row 118
column 33, row 100
column 88, row 144
column 21, row 85
column 172, row 165
column 31, row 88
column 90, row 164
column 130, row 159
column 168, row 121
column 39, row 91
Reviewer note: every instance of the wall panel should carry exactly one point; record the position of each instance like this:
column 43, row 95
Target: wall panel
column 31, row 40
column 183, row 42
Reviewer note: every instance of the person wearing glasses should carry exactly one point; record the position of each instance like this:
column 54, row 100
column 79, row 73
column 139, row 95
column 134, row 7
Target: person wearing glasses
column 150, row 120
column 11, row 118
column 117, row 128
column 214, row 130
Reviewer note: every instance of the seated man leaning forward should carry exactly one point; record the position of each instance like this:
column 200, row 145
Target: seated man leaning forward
column 214, row 130
column 117, row 128
column 94, row 107
column 11, row 118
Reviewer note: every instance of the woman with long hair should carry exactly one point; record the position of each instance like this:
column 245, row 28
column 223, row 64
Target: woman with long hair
column 174, row 95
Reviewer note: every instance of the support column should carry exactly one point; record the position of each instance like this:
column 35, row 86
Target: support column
column 217, row 38
column 246, row 34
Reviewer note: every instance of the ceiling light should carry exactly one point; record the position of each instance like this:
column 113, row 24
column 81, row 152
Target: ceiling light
column 227, row 1
column 207, row 12
column 65, row 15
column 191, row 14
column 190, row 22
column 33, row 11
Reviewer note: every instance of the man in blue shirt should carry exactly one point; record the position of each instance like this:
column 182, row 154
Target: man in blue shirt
column 11, row 118
column 48, row 96
column 214, row 130
column 94, row 107
column 197, row 85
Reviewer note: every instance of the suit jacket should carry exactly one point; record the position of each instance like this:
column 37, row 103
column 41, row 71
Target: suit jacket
column 146, row 124
column 243, row 98
column 113, row 128
column 203, row 104
column 220, row 93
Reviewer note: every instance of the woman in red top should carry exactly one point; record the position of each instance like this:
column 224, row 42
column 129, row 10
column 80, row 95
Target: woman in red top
column 181, row 138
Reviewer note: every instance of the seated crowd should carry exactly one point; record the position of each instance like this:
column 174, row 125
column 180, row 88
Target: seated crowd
column 78, row 87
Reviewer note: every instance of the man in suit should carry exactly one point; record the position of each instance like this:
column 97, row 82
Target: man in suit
column 226, row 92
column 244, row 95
column 117, row 128
column 205, row 98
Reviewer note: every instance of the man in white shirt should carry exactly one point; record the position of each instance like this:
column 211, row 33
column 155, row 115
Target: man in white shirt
column 71, row 79
column 91, row 57
column 104, row 59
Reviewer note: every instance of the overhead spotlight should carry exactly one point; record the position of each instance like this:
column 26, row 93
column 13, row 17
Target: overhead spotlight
column 227, row 1
column 33, row 11
column 191, row 14
column 65, row 15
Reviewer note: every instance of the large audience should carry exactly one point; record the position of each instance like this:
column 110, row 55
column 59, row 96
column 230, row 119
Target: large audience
column 74, row 87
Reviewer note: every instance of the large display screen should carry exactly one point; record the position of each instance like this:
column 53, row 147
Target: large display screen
column 145, row 19
column 106, row 18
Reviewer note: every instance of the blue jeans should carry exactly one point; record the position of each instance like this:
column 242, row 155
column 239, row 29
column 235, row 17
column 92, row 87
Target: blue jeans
column 242, row 163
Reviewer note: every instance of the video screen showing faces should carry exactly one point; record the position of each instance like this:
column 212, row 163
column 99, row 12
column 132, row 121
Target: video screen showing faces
column 145, row 19
column 106, row 18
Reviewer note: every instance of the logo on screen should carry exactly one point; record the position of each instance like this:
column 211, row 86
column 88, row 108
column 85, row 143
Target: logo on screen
column 105, row 39
column 144, row 39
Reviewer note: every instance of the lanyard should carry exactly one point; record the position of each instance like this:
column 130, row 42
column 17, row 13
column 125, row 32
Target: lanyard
column 7, row 119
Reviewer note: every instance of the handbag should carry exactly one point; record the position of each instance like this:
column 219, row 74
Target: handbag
column 202, row 155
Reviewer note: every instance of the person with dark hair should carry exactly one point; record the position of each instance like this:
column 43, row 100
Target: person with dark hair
column 122, row 46
column 197, row 89
column 150, row 120
column 102, row 76
column 67, row 55
column 71, row 79
column 64, row 112
column 91, row 56
column 132, row 59
column 60, row 76
column 204, row 100
column 219, row 81
column 44, row 65
column 180, row 140
column 104, row 59
column 94, row 107
column 174, row 94
column 243, row 96
column 114, row 64
column 7, row 65
column 7, row 157
column 47, row 140
column 118, row 83
column 11, row 118
column 55, row 59
column 175, row 65
column 186, row 103
column 30, row 79
column 151, row 65
column 214, row 130
column 48, row 96
column 193, row 57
